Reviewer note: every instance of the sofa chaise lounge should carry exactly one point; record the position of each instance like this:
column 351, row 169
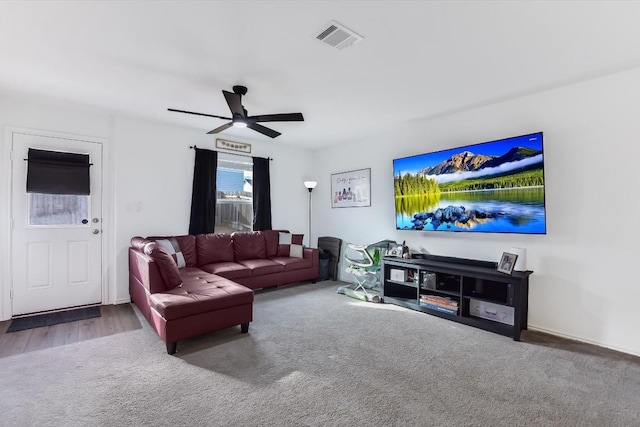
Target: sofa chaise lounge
column 192, row 285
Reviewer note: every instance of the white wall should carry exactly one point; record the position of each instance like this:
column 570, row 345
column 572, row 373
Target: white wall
column 584, row 284
column 154, row 176
column 148, row 178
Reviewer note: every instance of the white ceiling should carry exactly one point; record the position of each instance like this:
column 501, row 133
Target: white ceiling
column 417, row 59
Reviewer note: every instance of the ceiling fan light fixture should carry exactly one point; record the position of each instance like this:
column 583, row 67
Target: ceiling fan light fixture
column 240, row 119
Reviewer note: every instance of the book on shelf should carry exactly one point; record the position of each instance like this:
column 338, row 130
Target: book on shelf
column 435, row 299
column 439, row 308
column 445, row 304
column 451, row 308
column 440, row 302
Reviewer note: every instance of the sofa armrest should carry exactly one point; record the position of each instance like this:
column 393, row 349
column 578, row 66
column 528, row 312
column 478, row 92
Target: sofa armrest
column 312, row 254
column 144, row 271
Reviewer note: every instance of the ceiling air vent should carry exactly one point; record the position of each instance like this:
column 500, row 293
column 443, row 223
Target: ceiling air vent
column 337, row 35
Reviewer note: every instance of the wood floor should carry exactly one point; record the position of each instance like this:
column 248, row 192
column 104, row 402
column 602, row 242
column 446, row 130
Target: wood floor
column 114, row 319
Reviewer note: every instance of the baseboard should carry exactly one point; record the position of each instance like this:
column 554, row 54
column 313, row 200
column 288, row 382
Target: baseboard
column 122, row 301
column 582, row 340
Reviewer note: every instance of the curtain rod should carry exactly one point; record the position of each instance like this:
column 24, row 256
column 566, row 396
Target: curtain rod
column 193, row 147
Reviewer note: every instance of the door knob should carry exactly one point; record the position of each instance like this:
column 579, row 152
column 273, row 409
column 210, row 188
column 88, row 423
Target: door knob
column 95, row 231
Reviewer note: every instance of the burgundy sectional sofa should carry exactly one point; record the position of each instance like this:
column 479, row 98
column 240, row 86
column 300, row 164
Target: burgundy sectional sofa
column 191, row 285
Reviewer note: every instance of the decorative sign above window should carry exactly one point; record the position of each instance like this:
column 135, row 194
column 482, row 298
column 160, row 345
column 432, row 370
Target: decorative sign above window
column 233, row 146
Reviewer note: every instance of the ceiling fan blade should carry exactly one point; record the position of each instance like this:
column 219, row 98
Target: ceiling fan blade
column 221, row 128
column 284, row 117
column 235, row 103
column 198, row 114
column 263, row 130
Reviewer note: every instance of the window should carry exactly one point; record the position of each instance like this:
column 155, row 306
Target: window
column 234, row 193
column 58, row 209
column 58, row 188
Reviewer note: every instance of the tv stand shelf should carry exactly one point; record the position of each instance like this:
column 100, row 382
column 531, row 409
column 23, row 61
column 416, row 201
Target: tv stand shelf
column 475, row 293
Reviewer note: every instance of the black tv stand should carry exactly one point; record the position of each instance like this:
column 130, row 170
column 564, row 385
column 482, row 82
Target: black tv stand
column 454, row 260
column 473, row 291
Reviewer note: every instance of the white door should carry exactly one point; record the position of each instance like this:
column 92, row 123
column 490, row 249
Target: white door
column 56, row 240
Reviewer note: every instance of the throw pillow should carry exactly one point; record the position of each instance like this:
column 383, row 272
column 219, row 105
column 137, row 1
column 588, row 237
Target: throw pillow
column 172, row 247
column 139, row 243
column 166, row 264
column 187, row 245
column 284, row 238
column 295, row 251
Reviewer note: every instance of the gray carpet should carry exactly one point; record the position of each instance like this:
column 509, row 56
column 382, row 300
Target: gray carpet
column 316, row 358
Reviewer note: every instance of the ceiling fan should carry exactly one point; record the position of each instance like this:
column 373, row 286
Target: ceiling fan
column 239, row 117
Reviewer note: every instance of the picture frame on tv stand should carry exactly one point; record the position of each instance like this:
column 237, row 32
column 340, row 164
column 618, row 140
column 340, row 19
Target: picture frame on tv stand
column 507, row 262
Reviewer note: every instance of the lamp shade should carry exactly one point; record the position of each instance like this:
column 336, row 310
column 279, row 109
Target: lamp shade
column 310, row 184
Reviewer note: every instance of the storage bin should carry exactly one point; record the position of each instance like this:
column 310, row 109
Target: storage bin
column 491, row 311
column 323, row 267
column 398, row 275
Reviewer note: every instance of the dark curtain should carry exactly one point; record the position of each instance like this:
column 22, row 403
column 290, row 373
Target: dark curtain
column 261, row 195
column 203, row 197
column 54, row 172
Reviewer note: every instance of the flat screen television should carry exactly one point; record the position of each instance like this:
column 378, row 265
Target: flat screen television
column 491, row 187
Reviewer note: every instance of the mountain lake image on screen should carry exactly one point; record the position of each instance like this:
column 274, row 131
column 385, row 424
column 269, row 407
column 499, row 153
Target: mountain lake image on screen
column 492, row 187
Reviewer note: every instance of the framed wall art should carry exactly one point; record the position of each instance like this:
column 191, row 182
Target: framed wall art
column 351, row 189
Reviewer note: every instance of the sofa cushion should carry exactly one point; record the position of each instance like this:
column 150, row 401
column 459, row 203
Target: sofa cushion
column 203, row 295
column 284, row 249
column 214, row 247
column 172, row 247
column 228, row 270
column 290, row 264
column 187, row 244
column 166, row 264
column 195, row 274
column 248, row 245
column 261, row 267
column 271, row 242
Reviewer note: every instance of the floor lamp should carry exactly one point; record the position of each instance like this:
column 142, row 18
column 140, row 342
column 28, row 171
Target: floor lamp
column 310, row 186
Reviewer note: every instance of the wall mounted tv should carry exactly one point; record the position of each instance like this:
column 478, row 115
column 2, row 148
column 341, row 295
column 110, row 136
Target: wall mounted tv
column 492, row 187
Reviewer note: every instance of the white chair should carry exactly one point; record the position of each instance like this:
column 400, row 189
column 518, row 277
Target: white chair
column 362, row 265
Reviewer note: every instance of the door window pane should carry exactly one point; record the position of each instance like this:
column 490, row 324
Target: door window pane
column 58, row 209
